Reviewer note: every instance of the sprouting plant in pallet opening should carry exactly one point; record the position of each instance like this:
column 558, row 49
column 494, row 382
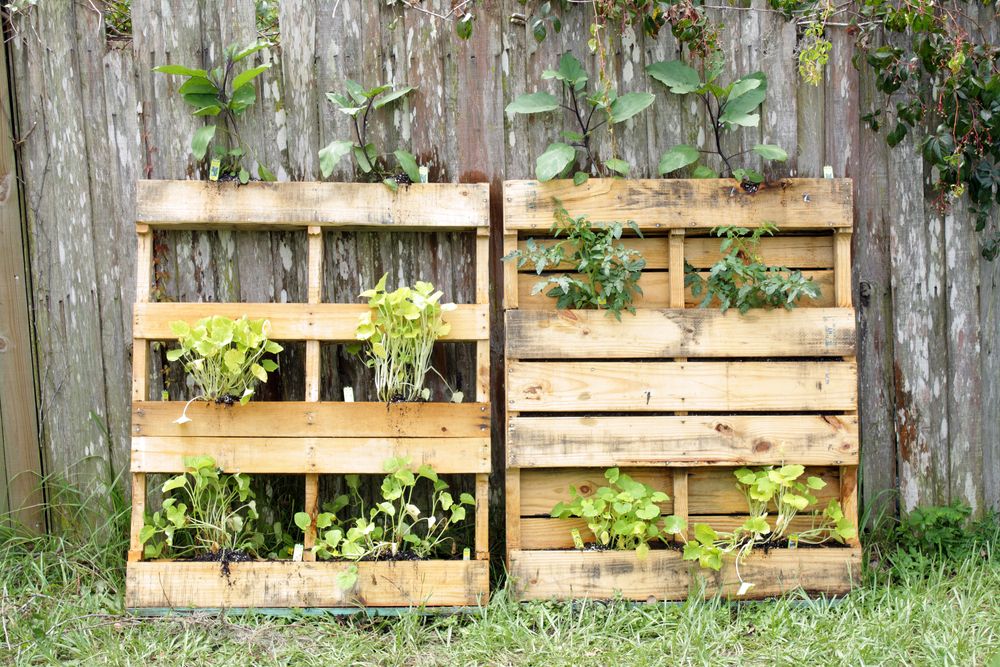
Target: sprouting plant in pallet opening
column 358, row 103
column 608, row 271
column 742, row 280
column 934, row 538
column 590, row 111
column 624, row 515
column 206, row 512
column 396, row 526
column 224, row 95
column 729, row 107
column 399, row 332
column 223, row 357
column 764, row 488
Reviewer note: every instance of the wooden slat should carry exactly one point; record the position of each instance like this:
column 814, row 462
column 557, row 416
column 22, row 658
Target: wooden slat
column 314, row 455
column 311, row 508
column 482, row 548
column 512, row 509
column 547, row 533
column 206, row 205
column 675, row 277
column 680, row 494
column 534, row 442
column 695, row 332
column 510, row 282
column 138, row 516
column 663, row 575
column 656, row 285
column 678, row 204
column 710, row 490
column 483, row 298
column 795, row 252
column 566, row 386
column 842, row 268
column 293, row 419
column 296, row 321
column 288, row 584
column 849, row 498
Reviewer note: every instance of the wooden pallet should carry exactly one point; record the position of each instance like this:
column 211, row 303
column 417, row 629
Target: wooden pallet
column 310, row 437
column 677, row 395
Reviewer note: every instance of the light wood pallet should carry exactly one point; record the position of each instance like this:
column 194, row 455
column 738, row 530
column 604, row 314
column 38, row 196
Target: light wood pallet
column 310, row 437
column 678, row 396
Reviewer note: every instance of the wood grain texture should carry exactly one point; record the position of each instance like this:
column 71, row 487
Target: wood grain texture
column 611, row 386
column 319, row 455
column 291, row 419
column 296, row 321
column 700, row 332
column 681, row 441
column 663, row 575
column 681, row 204
column 205, row 205
column 288, row 584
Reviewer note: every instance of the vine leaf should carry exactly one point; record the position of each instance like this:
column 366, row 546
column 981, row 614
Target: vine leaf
column 332, row 154
column 770, row 152
column 533, row 103
column 678, row 77
column 628, row 105
column 554, row 161
column 678, row 157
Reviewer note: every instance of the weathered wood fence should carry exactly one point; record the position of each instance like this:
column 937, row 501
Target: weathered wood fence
column 92, row 118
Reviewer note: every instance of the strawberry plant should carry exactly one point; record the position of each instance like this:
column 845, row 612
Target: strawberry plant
column 625, row 515
column 223, row 357
column 606, row 272
column 399, row 332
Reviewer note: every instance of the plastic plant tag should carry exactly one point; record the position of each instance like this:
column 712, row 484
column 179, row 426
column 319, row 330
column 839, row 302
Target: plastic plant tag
column 297, row 553
column 466, row 554
column 348, row 394
column 744, row 587
column 793, row 542
column 424, row 172
column 577, row 539
column 214, row 168
column 827, row 171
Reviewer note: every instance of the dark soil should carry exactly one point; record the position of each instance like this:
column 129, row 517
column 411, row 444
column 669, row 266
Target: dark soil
column 228, row 399
column 224, row 557
column 403, row 179
column 749, row 187
column 677, row 546
column 400, row 555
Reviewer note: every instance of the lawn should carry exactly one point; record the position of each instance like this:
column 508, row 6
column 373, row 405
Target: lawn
column 62, row 604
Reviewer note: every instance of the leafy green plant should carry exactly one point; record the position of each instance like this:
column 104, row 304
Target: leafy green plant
column 765, row 488
column 608, row 271
column 625, row 515
column 589, row 111
column 394, row 527
column 729, row 107
column 224, row 357
column 399, row 332
column 937, row 536
column 223, row 95
column 358, row 103
column 741, row 280
column 206, row 512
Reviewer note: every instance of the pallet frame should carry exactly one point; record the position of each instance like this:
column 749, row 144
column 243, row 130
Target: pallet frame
column 309, row 437
column 570, row 366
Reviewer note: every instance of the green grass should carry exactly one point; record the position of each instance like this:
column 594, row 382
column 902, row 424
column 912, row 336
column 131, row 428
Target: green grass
column 61, row 602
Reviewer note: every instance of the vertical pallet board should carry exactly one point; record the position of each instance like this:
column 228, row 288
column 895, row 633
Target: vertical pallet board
column 677, row 395
column 310, row 437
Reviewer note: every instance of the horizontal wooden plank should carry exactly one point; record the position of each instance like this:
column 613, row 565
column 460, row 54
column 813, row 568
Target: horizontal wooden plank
column 795, row 252
column 663, row 575
column 649, row 386
column 695, row 332
column 801, row 203
column 682, row 441
column 306, row 584
column 311, row 455
column 548, row 533
column 206, row 205
column 293, row 419
column 656, row 293
column 335, row 322
column 710, row 490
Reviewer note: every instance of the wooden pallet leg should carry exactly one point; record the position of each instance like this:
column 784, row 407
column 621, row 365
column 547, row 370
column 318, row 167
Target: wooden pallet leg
column 312, row 509
column 138, row 512
column 513, row 507
column 681, row 495
column 482, row 516
column 849, row 499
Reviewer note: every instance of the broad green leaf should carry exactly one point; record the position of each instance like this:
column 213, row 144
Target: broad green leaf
column 243, row 98
column 674, row 525
column 250, row 49
column 463, row 29
column 173, row 483
column 175, row 354
column 554, row 161
column 570, row 70
column 199, row 141
column 198, row 85
column 198, row 100
column 409, row 164
column 642, row 551
column 265, row 174
column 770, row 152
column 701, row 171
column 677, row 158
column 181, row 70
column 211, row 110
column 303, row 520
column 356, row 91
column 243, row 78
column 618, row 166
column 629, row 104
column 738, row 111
column 392, row 97
column 580, row 177
column 678, row 77
column 533, row 103
column 333, row 153
column 742, row 86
